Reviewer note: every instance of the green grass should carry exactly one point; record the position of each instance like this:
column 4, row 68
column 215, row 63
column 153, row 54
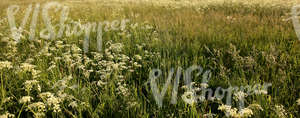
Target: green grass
column 255, row 48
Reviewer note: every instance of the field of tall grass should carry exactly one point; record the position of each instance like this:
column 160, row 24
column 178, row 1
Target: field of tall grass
column 240, row 43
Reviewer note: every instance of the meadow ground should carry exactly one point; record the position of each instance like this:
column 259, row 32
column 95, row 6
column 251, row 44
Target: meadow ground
column 240, row 43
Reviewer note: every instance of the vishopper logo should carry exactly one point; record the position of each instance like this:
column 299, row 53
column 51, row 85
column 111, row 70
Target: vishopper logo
column 190, row 96
column 50, row 32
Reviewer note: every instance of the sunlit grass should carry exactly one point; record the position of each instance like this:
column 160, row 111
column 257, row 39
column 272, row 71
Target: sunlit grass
column 242, row 42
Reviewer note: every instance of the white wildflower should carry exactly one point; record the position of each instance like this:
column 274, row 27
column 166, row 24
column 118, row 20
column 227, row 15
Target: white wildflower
column 35, row 73
column 29, row 84
column 7, row 115
column 73, row 104
column 54, row 102
column 39, row 88
column 51, row 67
column 138, row 57
column 27, row 67
column 59, row 44
column 279, row 109
column 240, row 95
column 189, row 97
column 201, row 98
column 17, row 34
column 5, row 64
column 86, row 74
column 233, row 113
column 117, row 47
column 84, row 104
column 25, row 99
column 57, row 58
column 62, row 95
column 255, row 107
column 132, row 104
column 115, row 66
column 75, row 49
column 224, row 107
column 246, row 112
column 39, row 115
column 122, row 90
column 204, row 85
column 45, row 95
column 38, row 106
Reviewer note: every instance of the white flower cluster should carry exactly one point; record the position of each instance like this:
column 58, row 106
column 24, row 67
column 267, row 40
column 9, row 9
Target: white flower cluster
column 233, row 112
column 26, row 67
column 73, row 104
column 38, row 107
column 29, row 84
column 51, row 101
column 280, row 111
column 7, row 115
column 11, row 47
column 58, row 56
column 255, row 107
column 25, row 99
column 113, row 61
column 240, row 95
column 5, row 64
column 190, row 95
